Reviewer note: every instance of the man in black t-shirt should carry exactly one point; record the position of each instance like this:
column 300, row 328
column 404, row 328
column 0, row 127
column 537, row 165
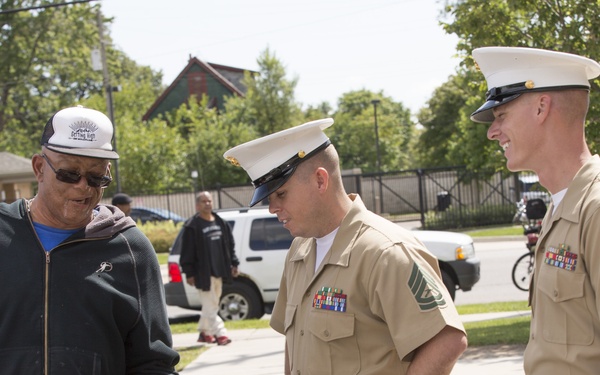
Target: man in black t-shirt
column 208, row 259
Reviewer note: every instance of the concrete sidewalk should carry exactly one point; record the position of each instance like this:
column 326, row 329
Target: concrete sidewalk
column 260, row 352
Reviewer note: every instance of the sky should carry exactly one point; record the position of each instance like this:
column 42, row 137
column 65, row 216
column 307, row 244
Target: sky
column 331, row 46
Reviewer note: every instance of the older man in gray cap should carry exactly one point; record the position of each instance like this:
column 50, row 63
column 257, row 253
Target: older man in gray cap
column 359, row 294
column 82, row 286
column 537, row 104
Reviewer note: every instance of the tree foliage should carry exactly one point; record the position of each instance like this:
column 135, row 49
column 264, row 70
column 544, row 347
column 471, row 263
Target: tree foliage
column 270, row 104
column 44, row 66
column 353, row 133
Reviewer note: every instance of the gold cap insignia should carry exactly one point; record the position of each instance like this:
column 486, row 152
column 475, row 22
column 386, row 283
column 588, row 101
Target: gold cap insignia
column 529, row 84
column 301, row 154
column 233, row 161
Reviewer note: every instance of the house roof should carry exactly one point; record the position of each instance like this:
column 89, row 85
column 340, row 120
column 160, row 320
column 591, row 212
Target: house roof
column 225, row 81
column 14, row 168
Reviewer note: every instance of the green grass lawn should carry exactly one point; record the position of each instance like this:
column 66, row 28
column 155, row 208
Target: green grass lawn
column 509, row 331
column 507, row 230
column 481, row 308
column 162, row 258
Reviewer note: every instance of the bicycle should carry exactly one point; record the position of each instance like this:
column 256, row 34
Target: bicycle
column 522, row 270
column 531, row 213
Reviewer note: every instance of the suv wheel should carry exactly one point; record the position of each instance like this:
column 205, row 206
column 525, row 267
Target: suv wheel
column 240, row 301
column 449, row 283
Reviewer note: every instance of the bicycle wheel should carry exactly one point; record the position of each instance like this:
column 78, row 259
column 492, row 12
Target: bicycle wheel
column 521, row 273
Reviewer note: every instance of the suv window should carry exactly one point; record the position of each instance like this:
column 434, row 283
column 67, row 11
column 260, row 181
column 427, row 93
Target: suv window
column 269, row 234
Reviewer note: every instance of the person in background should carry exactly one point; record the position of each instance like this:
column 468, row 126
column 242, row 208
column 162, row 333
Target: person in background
column 123, row 202
column 537, row 105
column 83, row 291
column 359, row 294
column 208, row 260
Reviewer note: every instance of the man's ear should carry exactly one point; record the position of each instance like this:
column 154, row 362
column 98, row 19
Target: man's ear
column 37, row 163
column 544, row 102
column 322, row 177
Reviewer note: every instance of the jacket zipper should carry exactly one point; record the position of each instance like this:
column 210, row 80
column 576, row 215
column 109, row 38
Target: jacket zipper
column 46, row 279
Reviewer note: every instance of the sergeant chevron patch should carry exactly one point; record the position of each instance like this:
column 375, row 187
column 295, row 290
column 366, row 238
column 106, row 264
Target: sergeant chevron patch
column 424, row 288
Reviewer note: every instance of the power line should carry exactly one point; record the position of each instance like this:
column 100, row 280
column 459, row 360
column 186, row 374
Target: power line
column 9, row 11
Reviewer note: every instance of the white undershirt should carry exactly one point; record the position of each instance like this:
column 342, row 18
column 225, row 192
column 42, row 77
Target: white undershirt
column 557, row 198
column 323, row 246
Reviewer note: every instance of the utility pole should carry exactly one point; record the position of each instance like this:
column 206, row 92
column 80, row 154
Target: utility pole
column 375, row 102
column 108, row 90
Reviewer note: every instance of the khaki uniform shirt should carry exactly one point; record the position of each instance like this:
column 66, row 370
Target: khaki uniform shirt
column 376, row 297
column 565, row 326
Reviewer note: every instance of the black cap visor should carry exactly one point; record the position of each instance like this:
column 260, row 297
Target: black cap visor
column 263, row 191
column 485, row 114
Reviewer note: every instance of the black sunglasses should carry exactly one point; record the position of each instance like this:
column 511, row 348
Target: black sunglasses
column 71, row 177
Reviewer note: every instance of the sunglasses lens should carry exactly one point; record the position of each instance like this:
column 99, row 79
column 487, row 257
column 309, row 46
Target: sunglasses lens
column 68, row 177
column 95, row 181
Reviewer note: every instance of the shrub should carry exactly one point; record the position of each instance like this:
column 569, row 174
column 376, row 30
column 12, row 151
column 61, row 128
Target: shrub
column 161, row 233
column 469, row 217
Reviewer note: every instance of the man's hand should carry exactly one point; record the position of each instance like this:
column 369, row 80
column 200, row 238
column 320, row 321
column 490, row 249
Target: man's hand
column 191, row 281
column 235, row 272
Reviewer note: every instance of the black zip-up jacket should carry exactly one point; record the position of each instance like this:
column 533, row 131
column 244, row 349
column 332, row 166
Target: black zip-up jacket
column 93, row 305
column 194, row 258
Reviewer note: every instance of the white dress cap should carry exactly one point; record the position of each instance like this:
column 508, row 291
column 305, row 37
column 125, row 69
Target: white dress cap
column 272, row 159
column 512, row 71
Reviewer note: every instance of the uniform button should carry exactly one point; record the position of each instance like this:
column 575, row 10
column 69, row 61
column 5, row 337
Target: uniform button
column 326, row 333
column 301, row 332
column 298, row 372
column 555, row 293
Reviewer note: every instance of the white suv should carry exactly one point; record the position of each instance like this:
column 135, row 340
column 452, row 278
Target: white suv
column 261, row 244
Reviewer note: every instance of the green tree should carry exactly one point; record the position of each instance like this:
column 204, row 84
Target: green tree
column 208, row 135
column 270, row 104
column 354, row 132
column 44, row 66
column 562, row 25
column 440, row 141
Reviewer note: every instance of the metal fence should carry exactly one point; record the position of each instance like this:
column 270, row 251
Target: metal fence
column 441, row 198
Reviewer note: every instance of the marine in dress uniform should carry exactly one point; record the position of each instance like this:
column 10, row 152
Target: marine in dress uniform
column 564, row 296
column 371, row 299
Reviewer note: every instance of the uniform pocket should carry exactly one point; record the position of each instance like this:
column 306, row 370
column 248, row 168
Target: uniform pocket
column 290, row 313
column 332, row 342
column 290, row 317
column 564, row 312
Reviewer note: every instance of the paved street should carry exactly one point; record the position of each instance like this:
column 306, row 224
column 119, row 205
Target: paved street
column 497, row 259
